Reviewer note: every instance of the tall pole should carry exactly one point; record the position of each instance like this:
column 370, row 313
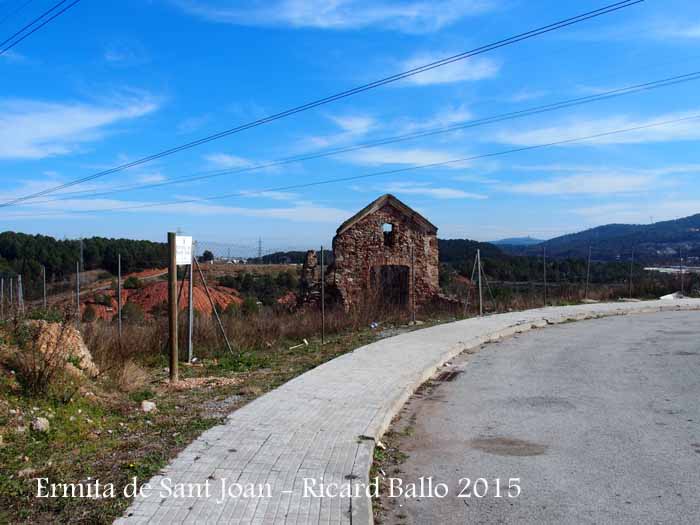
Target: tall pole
column 2, row 298
column 77, row 289
column 588, row 271
column 680, row 256
column 119, row 296
column 190, row 313
column 323, row 302
column 172, row 303
column 413, row 285
column 481, row 296
column 11, row 298
column 631, row 269
column 544, row 272
column 43, row 278
column 20, row 294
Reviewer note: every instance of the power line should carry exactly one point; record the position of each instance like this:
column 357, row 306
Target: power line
column 375, row 174
column 344, row 94
column 647, row 86
column 35, row 29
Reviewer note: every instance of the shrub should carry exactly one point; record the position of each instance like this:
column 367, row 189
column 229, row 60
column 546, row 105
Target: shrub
column 249, row 306
column 89, row 314
column 103, row 299
column 132, row 313
column 132, row 282
column 41, row 371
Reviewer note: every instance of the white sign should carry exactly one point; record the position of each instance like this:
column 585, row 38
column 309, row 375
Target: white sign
column 183, row 250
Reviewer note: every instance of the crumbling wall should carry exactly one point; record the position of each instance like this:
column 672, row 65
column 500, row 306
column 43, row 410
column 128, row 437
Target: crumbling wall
column 363, row 247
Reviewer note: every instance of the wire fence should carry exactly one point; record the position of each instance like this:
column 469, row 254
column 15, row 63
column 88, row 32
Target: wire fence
column 242, row 280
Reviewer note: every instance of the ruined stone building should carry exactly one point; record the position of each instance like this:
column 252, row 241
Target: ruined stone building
column 387, row 252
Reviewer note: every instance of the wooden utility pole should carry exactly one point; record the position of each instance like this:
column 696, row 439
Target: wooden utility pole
column 413, row 285
column 43, row 278
column 190, row 310
column 119, row 296
column 544, row 269
column 481, row 296
column 77, row 289
column 631, row 269
column 172, row 303
column 588, row 272
column 323, row 302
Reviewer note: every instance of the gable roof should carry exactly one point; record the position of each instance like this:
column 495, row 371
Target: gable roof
column 395, row 203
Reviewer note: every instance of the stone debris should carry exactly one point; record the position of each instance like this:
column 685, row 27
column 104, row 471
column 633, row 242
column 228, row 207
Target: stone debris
column 148, row 406
column 41, row 424
column 55, row 339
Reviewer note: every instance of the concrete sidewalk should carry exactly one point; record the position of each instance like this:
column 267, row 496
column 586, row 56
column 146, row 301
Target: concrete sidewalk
column 322, row 427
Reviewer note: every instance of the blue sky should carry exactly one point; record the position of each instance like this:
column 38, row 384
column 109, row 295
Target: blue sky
column 110, row 82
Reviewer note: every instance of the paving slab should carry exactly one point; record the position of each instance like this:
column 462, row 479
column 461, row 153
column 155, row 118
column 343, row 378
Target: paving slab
column 272, row 455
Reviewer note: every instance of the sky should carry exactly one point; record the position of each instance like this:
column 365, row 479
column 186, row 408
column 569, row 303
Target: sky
column 110, row 82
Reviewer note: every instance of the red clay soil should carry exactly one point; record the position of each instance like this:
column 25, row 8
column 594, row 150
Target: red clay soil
column 154, row 294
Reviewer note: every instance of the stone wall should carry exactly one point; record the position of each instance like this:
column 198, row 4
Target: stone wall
column 362, row 247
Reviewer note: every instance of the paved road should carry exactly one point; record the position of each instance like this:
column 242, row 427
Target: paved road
column 600, row 420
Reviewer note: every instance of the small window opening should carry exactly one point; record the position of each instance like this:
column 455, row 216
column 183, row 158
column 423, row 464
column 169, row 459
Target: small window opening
column 388, row 230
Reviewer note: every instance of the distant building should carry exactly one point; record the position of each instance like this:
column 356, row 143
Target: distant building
column 386, row 252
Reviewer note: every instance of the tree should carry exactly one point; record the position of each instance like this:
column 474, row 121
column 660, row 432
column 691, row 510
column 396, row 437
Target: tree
column 206, row 256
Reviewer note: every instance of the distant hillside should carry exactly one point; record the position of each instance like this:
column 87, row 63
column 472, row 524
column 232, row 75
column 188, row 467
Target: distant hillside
column 658, row 242
column 517, row 241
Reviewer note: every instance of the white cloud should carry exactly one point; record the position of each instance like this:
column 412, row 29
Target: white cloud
column 225, row 160
column 587, row 184
column 412, row 157
column 31, row 129
column 575, row 128
column 351, row 128
column 408, row 16
column 641, row 212
column 427, row 190
column 148, row 178
column 445, row 117
column 679, row 30
column 594, row 180
column 469, row 69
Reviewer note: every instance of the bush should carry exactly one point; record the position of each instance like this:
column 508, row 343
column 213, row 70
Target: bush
column 89, row 314
column 132, row 313
column 132, row 282
column 41, row 371
column 103, row 299
column 249, row 306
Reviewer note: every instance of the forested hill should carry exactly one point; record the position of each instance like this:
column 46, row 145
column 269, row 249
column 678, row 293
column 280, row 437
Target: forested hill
column 659, row 241
column 25, row 254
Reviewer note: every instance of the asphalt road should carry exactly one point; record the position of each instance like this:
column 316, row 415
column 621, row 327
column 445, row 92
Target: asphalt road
column 599, row 420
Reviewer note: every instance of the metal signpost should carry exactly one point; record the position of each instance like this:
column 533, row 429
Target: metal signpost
column 180, row 247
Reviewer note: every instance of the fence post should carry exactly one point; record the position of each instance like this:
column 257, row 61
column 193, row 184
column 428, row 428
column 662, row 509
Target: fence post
column 631, row 269
column 588, row 272
column 172, row 303
column 77, row 290
column 43, row 279
column 119, row 296
column 544, row 272
column 323, row 302
column 190, row 310
column 20, row 294
column 481, row 295
column 413, row 285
